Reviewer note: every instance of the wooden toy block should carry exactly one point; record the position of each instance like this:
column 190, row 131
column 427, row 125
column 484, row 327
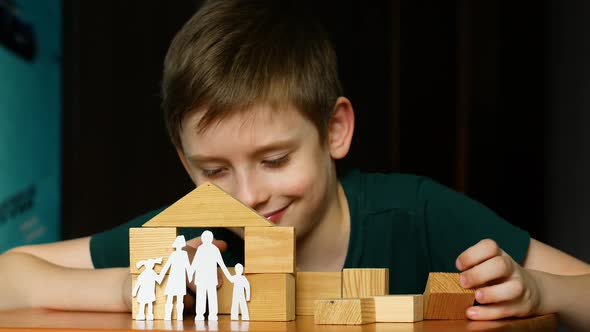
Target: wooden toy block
column 344, row 311
column 146, row 243
column 364, row 282
column 269, row 250
column 272, row 297
column 398, row 308
column 224, row 293
column 313, row 286
column 158, row 304
column 208, row 206
column 444, row 298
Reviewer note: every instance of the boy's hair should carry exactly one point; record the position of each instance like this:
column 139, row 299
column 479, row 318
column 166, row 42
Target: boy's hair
column 232, row 55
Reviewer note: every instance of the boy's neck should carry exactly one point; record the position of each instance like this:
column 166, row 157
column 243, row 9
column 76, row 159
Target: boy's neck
column 325, row 247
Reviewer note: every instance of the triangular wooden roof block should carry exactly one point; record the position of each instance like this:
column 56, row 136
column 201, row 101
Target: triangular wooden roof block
column 208, row 206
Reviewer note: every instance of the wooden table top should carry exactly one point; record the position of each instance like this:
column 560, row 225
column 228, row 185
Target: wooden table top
column 40, row 319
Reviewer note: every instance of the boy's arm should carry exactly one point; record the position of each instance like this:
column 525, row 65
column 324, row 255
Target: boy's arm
column 71, row 253
column 27, row 281
column 550, row 282
column 60, row 275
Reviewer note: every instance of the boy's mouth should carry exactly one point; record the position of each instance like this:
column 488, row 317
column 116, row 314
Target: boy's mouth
column 275, row 216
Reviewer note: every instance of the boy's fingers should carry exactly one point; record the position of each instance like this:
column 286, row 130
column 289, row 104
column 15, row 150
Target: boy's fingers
column 480, row 252
column 492, row 269
column 506, row 291
column 222, row 245
column 196, row 242
column 495, row 311
column 191, row 286
column 189, row 301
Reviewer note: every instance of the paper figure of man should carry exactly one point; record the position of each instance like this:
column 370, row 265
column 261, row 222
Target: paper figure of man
column 204, row 266
column 179, row 265
column 241, row 288
column 145, row 288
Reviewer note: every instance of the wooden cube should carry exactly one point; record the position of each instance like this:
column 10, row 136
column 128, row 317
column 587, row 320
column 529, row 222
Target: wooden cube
column 444, row 298
column 313, row 286
column 159, row 304
column 147, row 243
column 269, row 250
column 365, row 282
column 398, row 308
column 272, row 297
column 344, row 311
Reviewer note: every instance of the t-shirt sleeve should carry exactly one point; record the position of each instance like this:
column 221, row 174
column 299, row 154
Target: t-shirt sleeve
column 111, row 248
column 455, row 222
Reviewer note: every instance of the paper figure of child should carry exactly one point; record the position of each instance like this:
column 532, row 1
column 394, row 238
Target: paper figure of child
column 179, row 265
column 204, row 266
column 145, row 288
column 241, row 286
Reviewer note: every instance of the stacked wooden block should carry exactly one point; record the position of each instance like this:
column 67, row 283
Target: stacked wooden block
column 269, row 265
column 444, row 298
column 269, row 251
column 358, row 296
column 364, row 298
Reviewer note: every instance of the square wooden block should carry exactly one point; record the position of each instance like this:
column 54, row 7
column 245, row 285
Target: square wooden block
column 344, row 311
column 272, row 297
column 145, row 243
column 269, row 250
column 365, row 282
column 398, row 308
column 313, row 286
column 444, row 298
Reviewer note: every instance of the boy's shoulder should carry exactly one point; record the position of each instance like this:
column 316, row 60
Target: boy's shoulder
column 377, row 192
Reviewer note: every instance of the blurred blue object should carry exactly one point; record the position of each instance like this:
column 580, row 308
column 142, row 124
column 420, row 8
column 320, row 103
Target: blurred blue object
column 16, row 34
column 30, row 124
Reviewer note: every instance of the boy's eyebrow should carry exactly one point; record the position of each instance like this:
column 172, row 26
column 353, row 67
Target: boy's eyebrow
column 278, row 145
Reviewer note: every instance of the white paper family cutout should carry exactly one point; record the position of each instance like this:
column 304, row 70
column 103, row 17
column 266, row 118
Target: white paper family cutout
column 145, row 288
column 204, row 270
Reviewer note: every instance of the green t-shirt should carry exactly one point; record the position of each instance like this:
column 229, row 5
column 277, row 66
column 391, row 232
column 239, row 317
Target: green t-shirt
column 409, row 224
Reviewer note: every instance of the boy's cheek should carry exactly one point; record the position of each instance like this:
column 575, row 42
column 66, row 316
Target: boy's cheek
column 301, row 182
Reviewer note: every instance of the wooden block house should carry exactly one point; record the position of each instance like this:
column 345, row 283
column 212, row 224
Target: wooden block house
column 269, row 251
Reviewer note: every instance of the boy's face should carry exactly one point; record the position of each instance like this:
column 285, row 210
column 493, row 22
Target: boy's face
column 271, row 161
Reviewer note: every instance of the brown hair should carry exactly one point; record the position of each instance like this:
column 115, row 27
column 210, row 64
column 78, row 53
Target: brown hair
column 232, row 55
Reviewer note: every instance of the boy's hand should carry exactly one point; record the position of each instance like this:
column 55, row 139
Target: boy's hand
column 504, row 288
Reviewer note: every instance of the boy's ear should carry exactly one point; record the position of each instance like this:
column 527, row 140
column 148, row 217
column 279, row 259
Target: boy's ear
column 184, row 162
column 341, row 128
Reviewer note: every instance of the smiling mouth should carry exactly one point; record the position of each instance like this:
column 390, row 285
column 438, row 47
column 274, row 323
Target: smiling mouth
column 275, row 216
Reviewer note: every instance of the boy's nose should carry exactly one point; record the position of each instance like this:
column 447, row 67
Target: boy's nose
column 251, row 194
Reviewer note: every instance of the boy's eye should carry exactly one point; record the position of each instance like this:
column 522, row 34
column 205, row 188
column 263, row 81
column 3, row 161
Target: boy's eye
column 210, row 173
column 275, row 163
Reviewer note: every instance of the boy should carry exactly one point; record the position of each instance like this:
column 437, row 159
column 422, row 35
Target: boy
column 253, row 103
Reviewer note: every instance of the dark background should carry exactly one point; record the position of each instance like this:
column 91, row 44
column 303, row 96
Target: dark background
column 488, row 97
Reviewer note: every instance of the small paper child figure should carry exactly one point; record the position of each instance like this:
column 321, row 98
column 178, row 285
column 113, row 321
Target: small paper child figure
column 145, row 288
column 238, row 303
column 204, row 266
column 179, row 264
